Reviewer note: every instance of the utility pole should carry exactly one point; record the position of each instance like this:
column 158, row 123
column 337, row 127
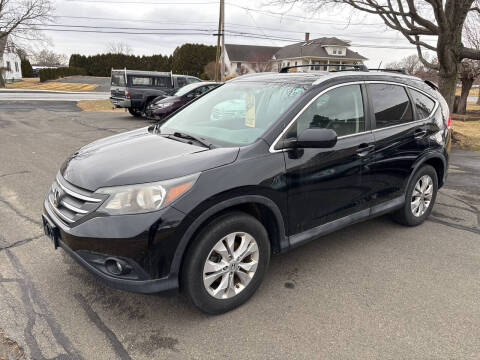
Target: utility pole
column 220, row 58
column 217, row 58
column 222, row 68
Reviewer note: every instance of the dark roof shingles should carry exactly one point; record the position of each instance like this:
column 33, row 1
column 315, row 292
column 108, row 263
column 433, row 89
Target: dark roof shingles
column 250, row 52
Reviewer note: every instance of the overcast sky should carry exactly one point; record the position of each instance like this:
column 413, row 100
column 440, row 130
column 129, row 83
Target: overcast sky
column 187, row 18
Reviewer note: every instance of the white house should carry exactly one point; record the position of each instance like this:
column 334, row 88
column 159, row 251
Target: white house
column 318, row 53
column 10, row 63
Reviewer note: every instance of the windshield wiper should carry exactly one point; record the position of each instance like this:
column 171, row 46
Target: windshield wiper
column 185, row 136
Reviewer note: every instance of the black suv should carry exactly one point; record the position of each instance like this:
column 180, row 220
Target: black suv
column 257, row 166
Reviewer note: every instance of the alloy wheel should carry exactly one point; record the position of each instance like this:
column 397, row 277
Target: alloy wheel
column 422, row 195
column 230, row 265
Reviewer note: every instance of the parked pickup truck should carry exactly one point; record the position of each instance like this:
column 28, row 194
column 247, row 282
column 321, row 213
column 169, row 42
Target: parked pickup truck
column 134, row 89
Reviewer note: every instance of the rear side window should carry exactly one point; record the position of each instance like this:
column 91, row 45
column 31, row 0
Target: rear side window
column 141, row 81
column 423, row 104
column 390, row 104
column 181, row 81
column 339, row 109
column 163, row 81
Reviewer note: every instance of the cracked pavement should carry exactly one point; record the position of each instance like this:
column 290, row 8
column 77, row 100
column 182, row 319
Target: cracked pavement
column 372, row 290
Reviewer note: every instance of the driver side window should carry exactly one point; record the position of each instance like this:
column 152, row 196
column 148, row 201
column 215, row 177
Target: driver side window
column 340, row 109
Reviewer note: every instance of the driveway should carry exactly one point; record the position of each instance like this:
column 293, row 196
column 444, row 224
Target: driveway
column 375, row 290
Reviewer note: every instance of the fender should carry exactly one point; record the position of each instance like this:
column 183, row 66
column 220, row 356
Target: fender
column 195, row 225
column 425, row 157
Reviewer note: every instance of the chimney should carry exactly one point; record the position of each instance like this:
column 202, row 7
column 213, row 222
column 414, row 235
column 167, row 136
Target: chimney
column 307, row 36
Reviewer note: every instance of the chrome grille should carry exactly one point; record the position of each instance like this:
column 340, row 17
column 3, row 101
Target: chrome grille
column 70, row 203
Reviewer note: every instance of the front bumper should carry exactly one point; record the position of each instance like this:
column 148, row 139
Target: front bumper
column 120, row 102
column 146, row 242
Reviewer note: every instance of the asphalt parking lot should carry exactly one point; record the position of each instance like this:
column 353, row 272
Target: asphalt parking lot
column 375, row 290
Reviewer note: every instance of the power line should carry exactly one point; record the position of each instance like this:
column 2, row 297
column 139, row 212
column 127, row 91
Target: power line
column 265, row 12
column 233, row 34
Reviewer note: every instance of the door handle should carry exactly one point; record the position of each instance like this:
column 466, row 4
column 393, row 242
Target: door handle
column 419, row 133
column 365, row 149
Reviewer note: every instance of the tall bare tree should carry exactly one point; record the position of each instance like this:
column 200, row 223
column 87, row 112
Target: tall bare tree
column 119, row 47
column 19, row 21
column 410, row 63
column 417, row 20
column 47, row 57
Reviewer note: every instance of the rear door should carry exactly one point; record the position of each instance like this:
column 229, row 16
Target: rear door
column 326, row 184
column 400, row 138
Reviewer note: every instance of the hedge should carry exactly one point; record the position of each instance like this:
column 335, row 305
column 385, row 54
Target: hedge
column 188, row 59
column 56, row 73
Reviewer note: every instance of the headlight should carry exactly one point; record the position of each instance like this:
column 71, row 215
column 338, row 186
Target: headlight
column 142, row 198
column 163, row 105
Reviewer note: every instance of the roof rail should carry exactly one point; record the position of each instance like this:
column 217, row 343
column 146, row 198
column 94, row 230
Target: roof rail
column 431, row 84
column 401, row 71
column 356, row 67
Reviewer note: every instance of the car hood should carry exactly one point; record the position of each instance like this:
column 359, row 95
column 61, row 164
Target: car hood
column 139, row 156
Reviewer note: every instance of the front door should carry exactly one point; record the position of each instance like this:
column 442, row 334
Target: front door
column 326, row 184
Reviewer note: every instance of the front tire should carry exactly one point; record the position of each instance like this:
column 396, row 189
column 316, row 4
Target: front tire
column 135, row 112
column 419, row 198
column 226, row 263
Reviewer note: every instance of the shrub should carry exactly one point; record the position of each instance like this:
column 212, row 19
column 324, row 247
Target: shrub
column 27, row 70
column 56, row 73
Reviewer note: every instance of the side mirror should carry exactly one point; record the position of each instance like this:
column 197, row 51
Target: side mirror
column 310, row 138
column 317, row 138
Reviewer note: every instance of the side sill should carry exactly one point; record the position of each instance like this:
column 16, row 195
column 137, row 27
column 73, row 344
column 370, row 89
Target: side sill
column 324, row 229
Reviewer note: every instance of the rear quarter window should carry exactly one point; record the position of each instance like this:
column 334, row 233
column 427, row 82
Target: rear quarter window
column 423, row 104
column 391, row 104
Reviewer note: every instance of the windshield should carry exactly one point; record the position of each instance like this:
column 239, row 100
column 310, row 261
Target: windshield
column 236, row 113
column 186, row 89
column 118, row 78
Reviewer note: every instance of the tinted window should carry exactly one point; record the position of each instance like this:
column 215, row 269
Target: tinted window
column 163, row 81
column 340, row 109
column 390, row 104
column 423, row 104
column 181, row 81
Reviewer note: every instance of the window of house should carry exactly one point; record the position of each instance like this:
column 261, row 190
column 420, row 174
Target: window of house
column 16, row 67
column 423, row 104
column 8, row 66
column 334, row 51
column 340, row 51
column 390, row 104
column 339, row 109
column 239, row 65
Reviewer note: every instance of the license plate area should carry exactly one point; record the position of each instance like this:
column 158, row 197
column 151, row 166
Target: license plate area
column 51, row 230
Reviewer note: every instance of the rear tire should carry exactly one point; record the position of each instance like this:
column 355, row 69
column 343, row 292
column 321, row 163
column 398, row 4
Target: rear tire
column 419, row 198
column 135, row 112
column 215, row 276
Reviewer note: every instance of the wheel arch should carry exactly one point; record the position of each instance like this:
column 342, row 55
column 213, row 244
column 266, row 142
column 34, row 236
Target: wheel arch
column 260, row 207
column 437, row 161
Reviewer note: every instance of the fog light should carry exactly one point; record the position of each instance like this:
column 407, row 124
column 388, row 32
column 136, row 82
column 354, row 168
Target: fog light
column 116, row 266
